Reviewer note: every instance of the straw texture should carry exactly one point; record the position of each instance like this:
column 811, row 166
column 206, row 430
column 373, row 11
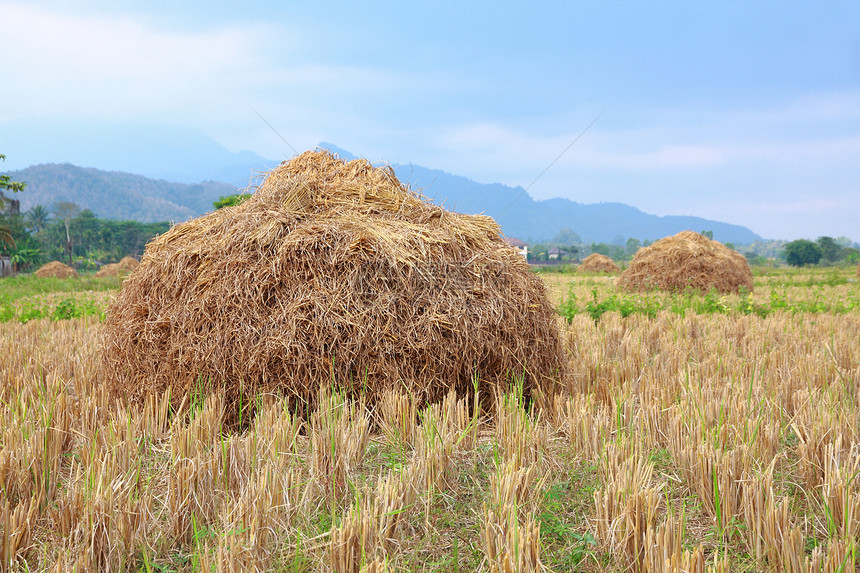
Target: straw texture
column 332, row 272
column 125, row 266
column 684, row 261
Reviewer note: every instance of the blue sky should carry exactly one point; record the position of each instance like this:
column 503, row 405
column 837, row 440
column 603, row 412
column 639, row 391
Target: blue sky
column 745, row 112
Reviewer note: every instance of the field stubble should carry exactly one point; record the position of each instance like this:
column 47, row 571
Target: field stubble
column 697, row 442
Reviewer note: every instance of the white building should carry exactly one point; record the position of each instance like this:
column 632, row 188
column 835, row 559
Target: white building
column 519, row 245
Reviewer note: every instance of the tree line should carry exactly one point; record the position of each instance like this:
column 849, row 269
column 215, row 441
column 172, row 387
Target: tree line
column 65, row 232
column 77, row 237
column 824, row 250
column 567, row 245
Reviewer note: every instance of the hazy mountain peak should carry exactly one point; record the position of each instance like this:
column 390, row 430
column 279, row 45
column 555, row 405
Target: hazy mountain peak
column 339, row 151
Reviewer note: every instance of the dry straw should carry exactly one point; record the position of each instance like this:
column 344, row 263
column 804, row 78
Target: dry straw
column 332, row 272
column 56, row 269
column 125, row 266
column 685, row 261
column 597, row 263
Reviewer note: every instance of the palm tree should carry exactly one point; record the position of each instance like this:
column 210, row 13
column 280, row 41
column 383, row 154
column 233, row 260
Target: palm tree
column 6, row 236
column 66, row 210
column 38, row 217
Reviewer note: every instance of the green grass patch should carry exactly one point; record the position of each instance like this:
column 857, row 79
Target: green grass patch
column 27, row 297
column 21, row 286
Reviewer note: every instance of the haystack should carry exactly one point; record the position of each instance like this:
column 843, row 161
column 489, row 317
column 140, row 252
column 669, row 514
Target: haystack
column 125, row 266
column 333, row 272
column 598, row 263
column 56, row 269
column 684, row 261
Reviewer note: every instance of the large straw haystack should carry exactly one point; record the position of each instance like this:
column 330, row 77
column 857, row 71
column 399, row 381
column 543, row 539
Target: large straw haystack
column 332, row 271
column 684, row 261
column 597, row 263
column 56, row 269
column 122, row 268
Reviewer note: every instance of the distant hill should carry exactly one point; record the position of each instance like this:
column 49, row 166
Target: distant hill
column 522, row 217
column 117, row 195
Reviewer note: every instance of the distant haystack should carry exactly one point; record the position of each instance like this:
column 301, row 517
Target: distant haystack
column 56, row 269
column 333, row 272
column 125, row 266
column 684, row 261
column 597, row 263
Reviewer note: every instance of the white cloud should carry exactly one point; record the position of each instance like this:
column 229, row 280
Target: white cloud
column 508, row 152
column 115, row 66
column 814, row 131
column 135, row 69
column 813, row 151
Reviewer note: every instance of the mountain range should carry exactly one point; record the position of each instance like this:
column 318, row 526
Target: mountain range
column 521, row 216
column 122, row 195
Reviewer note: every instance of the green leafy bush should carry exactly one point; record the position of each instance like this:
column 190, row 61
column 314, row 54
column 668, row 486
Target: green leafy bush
column 712, row 302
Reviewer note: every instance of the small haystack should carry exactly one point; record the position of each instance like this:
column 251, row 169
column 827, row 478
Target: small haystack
column 684, row 261
column 597, row 263
column 332, row 272
column 56, row 269
column 125, row 266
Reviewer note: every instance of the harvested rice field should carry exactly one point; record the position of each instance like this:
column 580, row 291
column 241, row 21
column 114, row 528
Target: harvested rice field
column 694, row 432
